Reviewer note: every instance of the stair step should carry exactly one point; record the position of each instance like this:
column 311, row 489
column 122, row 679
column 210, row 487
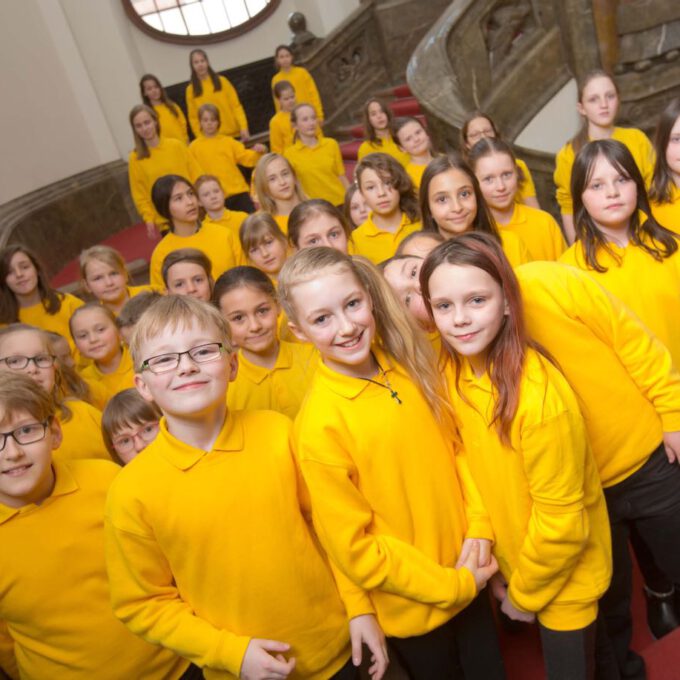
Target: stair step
column 406, row 107
column 349, row 150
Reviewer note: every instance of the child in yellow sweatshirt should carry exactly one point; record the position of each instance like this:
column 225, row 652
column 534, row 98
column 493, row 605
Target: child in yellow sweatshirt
column 527, row 448
column 55, row 603
column 280, row 128
column 208, row 551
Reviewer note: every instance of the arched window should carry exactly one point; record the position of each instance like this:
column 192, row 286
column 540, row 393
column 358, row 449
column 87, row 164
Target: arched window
column 197, row 21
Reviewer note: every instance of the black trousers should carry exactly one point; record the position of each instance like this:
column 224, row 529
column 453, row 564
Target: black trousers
column 650, row 500
column 464, row 647
column 241, row 202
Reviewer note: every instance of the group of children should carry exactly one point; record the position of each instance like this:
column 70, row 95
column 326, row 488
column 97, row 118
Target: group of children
column 356, row 407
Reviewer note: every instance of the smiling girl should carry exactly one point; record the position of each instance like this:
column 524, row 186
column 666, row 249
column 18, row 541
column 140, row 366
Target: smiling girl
column 452, row 203
column 175, row 199
column 598, row 104
column 264, row 244
column 412, row 137
column 525, row 442
column 318, row 223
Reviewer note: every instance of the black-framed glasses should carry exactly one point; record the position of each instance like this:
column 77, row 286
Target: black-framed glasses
column 26, row 434
column 201, row 354
column 18, row 362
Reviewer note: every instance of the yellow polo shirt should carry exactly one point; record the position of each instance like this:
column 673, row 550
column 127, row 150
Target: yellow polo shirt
column 319, row 169
column 378, row 245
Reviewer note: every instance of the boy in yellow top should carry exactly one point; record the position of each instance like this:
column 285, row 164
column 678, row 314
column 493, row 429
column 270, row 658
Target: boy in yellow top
column 55, row 601
column 280, row 128
column 236, row 593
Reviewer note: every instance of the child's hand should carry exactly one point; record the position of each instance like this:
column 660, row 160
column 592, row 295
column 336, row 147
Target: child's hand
column 364, row 629
column 515, row 614
column 499, row 586
column 260, row 148
column 671, row 442
column 151, row 231
column 480, row 573
column 245, row 136
column 260, row 664
column 484, row 551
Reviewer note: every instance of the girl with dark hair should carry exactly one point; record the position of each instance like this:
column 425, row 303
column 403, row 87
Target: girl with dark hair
column 207, row 87
column 26, row 294
column 299, row 77
column 378, row 120
column 526, row 445
column 390, row 195
column 598, row 104
column 495, row 166
column 175, row 200
column 452, row 203
column 664, row 195
column 631, row 255
column 170, row 117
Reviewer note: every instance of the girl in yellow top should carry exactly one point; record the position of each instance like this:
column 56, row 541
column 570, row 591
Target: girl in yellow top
column 278, row 188
column 389, row 193
column 175, row 199
column 378, row 121
column 272, row 374
column 220, row 155
column 317, row 160
column 95, row 333
column 26, row 294
column 598, row 104
column 664, row 194
column 26, row 349
column 104, row 275
column 494, row 164
column 525, row 442
column 171, row 118
column 152, row 158
column 637, row 262
column 206, row 87
column 299, row 77
column 393, row 509
column 211, row 198
column 318, row 223
column 478, row 125
column 280, row 128
column 264, row 244
column 452, row 203
column 412, row 137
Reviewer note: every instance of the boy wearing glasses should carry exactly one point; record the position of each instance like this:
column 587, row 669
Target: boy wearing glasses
column 207, row 548
column 55, row 610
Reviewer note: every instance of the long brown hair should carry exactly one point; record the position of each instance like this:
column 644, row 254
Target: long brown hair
column 662, row 180
column 581, row 137
column 369, row 130
column 196, row 81
column 141, row 147
column 507, row 351
column 663, row 242
column 173, row 106
column 483, row 222
column 390, row 170
column 9, row 307
column 396, row 332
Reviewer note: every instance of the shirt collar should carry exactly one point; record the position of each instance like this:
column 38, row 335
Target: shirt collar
column 371, row 230
column 256, row 373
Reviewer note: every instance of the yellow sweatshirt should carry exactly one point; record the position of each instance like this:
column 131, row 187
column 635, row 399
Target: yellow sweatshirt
column 231, row 219
column 527, row 188
column 120, row 379
column 280, row 132
column 543, row 493
column 35, row 315
column 55, row 591
column 82, row 433
column 388, row 146
column 281, row 388
column 219, row 244
column 622, row 375
column 319, row 169
column 170, row 157
column 207, row 550
column 539, row 231
column 174, row 126
column 638, row 144
column 651, row 288
column 668, row 214
column 378, row 245
column 305, row 88
column 219, row 156
column 232, row 115
column 390, row 502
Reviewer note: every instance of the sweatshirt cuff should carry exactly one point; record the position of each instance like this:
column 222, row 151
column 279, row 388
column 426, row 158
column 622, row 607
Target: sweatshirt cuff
column 231, row 651
column 670, row 422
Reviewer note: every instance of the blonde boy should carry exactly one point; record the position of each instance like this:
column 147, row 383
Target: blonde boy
column 55, row 605
column 208, row 552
